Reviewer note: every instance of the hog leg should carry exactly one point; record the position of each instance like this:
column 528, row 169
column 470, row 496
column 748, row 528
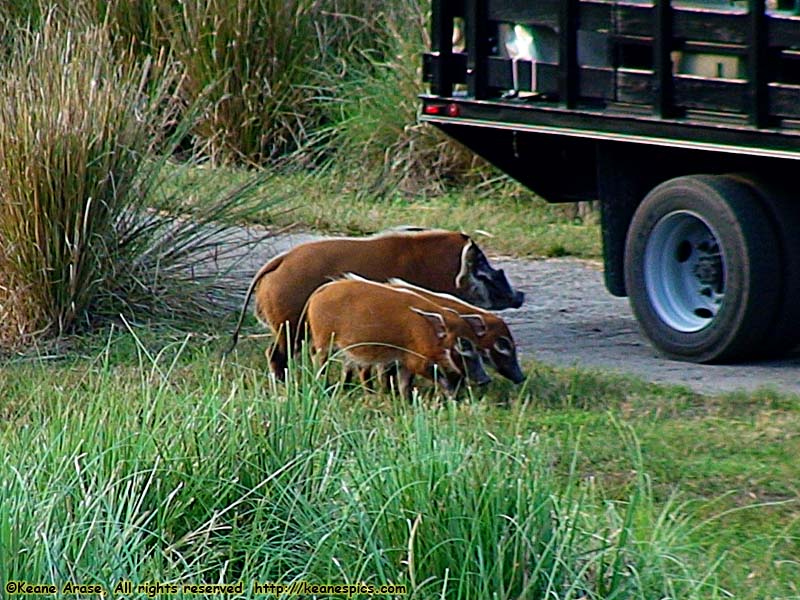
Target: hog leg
column 319, row 358
column 277, row 353
column 405, row 380
column 365, row 376
column 385, row 374
column 447, row 386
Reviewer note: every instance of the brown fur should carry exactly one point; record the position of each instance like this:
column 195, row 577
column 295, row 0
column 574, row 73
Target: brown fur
column 430, row 258
column 376, row 325
column 488, row 327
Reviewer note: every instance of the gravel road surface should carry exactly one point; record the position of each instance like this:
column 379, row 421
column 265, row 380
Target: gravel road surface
column 569, row 319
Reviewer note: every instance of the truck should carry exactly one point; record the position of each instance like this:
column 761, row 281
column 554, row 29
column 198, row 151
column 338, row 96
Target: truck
column 681, row 117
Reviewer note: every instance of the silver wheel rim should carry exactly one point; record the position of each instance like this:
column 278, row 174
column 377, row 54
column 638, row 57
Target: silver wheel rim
column 684, row 271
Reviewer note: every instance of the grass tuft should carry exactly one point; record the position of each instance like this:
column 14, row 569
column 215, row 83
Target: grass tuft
column 83, row 177
column 372, row 139
column 257, row 61
column 304, row 481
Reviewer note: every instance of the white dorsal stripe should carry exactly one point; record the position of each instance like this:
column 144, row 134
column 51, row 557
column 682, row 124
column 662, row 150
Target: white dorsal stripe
column 405, row 230
column 442, row 295
column 355, row 277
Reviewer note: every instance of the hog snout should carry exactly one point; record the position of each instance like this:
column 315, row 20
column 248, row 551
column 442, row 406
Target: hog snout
column 514, row 373
column 513, row 300
column 482, row 379
column 476, row 374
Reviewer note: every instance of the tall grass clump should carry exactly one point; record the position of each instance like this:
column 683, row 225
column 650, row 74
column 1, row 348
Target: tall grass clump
column 373, row 135
column 182, row 470
column 296, row 81
column 455, row 512
column 13, row 15
column 150, row 478
column 261, row 57
column 130, row 25
column 82, row 164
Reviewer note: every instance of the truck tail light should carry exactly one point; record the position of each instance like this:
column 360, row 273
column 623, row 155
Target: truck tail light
column 451, row 110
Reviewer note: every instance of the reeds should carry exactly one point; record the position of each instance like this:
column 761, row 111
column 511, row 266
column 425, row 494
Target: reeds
column 372, row 137
column 263, row 59
column 291, row 81
column 97, row 97
column 85, row 137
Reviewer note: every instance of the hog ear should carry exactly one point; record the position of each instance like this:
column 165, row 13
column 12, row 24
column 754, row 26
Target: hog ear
column 435, row 319
column 477, row 323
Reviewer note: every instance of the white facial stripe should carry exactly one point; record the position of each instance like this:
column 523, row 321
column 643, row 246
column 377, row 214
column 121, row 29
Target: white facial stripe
column 464, row 270
column 448, row 358
column 505, row 348
column 464, row 347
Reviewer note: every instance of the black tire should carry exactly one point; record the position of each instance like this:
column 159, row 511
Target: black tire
column 703, row 269
column 783, row 207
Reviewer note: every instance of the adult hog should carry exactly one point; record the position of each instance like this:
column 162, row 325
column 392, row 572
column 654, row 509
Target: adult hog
column 376, row 325
column 443, row 261
column 492, row 335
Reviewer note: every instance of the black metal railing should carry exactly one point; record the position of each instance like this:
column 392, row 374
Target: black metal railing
column 765, row 44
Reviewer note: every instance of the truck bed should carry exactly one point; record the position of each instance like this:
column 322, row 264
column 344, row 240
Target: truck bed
column 701, row 75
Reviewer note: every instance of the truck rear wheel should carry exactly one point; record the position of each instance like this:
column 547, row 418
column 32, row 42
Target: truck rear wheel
column 702, row 269
column 779, row 198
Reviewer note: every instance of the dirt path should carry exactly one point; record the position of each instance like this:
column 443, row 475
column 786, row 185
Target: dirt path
column 569, row 319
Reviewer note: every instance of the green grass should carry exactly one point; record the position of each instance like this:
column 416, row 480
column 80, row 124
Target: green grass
column 140, row 456
column 518, row 225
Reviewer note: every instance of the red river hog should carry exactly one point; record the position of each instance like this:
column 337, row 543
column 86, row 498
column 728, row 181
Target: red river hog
column 375, row 325
column 493, row 337
column 443, row 261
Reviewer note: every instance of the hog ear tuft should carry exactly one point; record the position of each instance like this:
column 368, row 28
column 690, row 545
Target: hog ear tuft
column 435, row 319
column 477, row 323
